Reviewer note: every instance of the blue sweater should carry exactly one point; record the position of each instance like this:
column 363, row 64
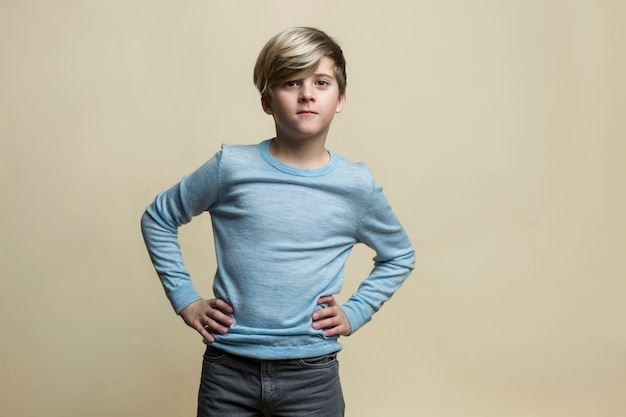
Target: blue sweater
column 282, row 237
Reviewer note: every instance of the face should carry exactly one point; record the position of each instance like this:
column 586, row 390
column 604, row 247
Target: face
column 303, row 109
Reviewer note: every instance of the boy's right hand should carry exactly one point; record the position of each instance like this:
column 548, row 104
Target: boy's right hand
column 208, row 316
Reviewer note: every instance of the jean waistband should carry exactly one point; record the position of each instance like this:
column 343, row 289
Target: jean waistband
column 216, row 352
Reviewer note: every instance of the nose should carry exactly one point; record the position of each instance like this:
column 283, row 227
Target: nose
column 306, row 93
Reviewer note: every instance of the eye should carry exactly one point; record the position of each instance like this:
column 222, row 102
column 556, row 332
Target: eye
column 323, row 83
column 291, row 83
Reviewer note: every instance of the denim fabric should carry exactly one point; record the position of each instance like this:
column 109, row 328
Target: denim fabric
column 234, row 386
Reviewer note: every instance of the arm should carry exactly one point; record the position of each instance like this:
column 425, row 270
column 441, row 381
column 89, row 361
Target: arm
column 394, row 260
column 193, row 195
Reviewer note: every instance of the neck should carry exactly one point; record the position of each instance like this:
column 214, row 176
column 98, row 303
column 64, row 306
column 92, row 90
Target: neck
column 300, row 154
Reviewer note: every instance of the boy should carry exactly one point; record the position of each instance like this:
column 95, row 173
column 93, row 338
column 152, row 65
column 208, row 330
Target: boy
column 285, row 213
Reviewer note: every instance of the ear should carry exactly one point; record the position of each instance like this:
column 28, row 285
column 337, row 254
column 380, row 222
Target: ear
column 267, row 105
column 340, row 103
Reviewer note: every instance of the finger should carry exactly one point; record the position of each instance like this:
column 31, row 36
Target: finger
column 329, row 311
column 204, row 332
column 326, row 323
column 326, row 313
column 327, row 299
column 219, row 317
column 335, row 331
column 214, row 326
column 332, row 320
column 341, row 328
column 221, row 305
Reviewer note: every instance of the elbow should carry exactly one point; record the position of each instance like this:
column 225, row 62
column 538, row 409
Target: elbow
column 411, row 258
column 145, row 222
column 406, row 259
column 400, row 260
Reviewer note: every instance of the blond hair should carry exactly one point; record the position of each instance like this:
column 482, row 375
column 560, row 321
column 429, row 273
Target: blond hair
column 294, row 54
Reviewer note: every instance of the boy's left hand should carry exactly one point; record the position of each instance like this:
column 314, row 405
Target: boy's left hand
column 331, row 319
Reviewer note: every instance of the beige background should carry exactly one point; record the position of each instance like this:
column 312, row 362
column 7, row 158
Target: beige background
column 496, row 127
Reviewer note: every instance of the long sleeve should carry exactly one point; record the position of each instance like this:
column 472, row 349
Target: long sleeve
column 282, row 236
column 171, row 209
column 395, row 258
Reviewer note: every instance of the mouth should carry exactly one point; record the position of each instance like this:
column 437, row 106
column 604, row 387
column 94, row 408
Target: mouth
column 306, row 113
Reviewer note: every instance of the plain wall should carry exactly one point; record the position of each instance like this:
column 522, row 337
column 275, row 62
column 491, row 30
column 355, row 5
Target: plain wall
column 497, row 129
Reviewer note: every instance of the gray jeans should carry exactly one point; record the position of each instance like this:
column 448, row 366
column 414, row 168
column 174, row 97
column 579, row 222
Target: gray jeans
column 234, row 386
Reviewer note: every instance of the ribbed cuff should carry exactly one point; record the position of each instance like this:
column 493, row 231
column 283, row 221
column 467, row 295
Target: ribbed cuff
column 181, row 297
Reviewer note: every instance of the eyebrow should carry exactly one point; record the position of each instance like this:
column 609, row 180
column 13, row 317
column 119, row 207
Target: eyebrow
column 315, row 75
column 322, row 74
